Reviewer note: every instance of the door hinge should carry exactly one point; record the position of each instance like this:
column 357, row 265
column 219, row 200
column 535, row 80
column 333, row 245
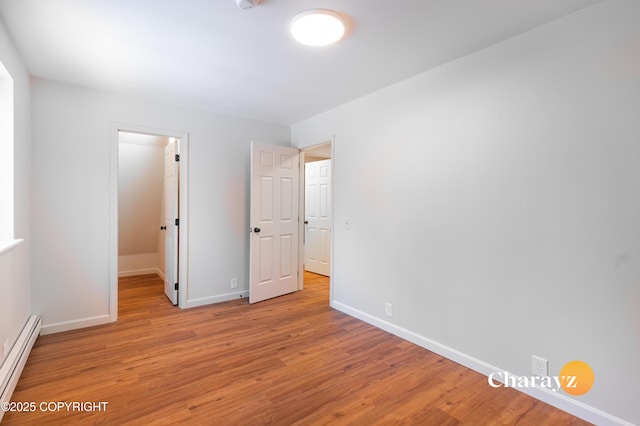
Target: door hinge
column 177, row 157
column 177, row 222
column 175, row 287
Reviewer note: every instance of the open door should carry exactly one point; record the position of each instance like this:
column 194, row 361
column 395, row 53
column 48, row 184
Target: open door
column 274, row 221
column 317, row 241
column 171, row 176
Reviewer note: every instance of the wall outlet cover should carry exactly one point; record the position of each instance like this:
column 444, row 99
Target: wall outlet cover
column 388, row 309
column 540, row 366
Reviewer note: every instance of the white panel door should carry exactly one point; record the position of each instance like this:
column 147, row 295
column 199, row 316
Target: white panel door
column 171, row 174
column 274, row 221
column 317, row 247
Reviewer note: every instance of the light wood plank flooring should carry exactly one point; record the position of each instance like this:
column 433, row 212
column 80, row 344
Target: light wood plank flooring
column 285, row 361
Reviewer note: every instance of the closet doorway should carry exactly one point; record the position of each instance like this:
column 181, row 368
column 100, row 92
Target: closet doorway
column 150, row 198
column 318, row 209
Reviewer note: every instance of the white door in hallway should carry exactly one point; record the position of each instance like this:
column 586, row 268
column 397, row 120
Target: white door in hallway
column 273, row 221
column 317, row 239
column 171, row 173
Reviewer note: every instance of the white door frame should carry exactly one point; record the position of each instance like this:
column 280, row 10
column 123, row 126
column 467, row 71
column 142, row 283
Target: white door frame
column 332, row 141
column 183, row 214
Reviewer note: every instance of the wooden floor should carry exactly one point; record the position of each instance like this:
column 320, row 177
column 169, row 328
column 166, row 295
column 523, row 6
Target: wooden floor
column 289, row 360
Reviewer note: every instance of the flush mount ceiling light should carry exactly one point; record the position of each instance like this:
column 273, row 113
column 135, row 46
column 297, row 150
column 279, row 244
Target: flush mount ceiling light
column 317, row 27
column 247, row 4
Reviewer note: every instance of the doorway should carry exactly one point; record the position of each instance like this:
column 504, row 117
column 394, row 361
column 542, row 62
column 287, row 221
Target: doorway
column 318, row 222
column 140, row 213
column 149, row 209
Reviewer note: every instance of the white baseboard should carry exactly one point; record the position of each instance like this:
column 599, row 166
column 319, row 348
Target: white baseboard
column 192, row 303
column 145, row 271
column 75, row 324
column 555, row 399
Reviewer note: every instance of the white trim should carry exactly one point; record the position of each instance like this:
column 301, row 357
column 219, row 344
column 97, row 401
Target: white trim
column 113, row 225
column 302, row 215
column 6, row 245
column 192, row 303
column 145, row 271
column 183, row 235
column 183, row 214
column 558, row 400
column 333, row 216
column 75, row 324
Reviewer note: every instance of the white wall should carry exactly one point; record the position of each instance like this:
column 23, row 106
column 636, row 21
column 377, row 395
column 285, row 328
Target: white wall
column 6, row 159
column 495, row 202
column 15, row 290
column 71, row 196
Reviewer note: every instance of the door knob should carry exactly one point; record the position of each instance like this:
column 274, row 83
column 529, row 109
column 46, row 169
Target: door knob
column 256, row 230
column 163, row 228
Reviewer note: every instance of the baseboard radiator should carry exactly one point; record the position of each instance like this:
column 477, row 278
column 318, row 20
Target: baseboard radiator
column 16, row 359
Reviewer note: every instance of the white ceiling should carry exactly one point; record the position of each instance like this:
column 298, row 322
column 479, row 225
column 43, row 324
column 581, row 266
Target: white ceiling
column 211, row 54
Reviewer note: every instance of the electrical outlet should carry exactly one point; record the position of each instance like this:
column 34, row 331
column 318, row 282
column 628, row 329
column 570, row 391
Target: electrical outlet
column 388, row 309
column 234, row 283
column 540, row 366
column 347, row 223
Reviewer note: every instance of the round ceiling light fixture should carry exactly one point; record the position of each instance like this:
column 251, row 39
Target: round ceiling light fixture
column 317, row 27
